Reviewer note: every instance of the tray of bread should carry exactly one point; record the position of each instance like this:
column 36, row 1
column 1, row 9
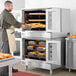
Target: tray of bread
column 5, row 57
column 37, row 25
column 72, row 36
column 36, row 54
column 30, row 47
column 41, row 55
column 43, row 43
column 37, row 13
column 41, row 48
column 32, row 42
column 33, row 54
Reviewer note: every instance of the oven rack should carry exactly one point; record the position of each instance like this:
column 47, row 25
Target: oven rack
column 37, row 13
column 39, row 57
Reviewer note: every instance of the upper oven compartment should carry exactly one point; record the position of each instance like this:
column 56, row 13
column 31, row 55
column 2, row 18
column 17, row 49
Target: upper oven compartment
column 49, row 20
column 36, row 19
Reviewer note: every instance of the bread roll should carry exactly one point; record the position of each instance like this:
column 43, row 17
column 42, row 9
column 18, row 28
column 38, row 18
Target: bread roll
column 37, row 25
column 2, row 57
column 7, row 55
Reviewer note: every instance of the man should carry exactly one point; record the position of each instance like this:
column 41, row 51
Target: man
column 6, row 21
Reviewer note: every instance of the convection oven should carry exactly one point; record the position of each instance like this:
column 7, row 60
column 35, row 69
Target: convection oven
column 44, row 45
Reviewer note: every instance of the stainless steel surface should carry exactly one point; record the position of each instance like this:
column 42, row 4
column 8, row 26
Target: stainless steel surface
column 56, row 22
column 39, row 64
column 35, row 34
column 36, row 38
column 9, row 62
column 57, row 19
column 55, row 50
column 7, row 59
column 71, row 53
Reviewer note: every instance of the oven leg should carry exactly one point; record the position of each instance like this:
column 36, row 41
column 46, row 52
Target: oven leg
column 26, row 67
column 10, row 70
column 51, row 70
column 69, row 70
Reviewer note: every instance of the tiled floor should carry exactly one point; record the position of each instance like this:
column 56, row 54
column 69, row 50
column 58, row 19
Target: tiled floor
column 57, row 72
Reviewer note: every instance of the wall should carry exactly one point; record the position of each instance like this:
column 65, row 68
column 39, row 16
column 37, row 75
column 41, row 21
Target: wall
column 2, row 5
column 71, row 4
column 18, row 4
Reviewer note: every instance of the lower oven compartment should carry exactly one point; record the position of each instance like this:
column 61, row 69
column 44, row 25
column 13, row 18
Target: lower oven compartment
column 45, row 54
column 35, row 49
column 35, row 54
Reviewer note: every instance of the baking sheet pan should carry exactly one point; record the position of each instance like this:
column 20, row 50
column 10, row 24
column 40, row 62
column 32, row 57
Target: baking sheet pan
column 7, row 59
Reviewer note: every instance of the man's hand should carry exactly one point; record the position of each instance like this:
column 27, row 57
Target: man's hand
column 23, row 26
column 26, row 27
column 12, row 27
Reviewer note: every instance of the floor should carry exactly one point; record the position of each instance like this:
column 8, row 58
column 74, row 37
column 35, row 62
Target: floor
column 57, row 72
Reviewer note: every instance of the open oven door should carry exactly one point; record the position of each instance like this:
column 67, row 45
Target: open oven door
column 53, row 20
column 19, row 44
column 53, row 52
column 18, row 53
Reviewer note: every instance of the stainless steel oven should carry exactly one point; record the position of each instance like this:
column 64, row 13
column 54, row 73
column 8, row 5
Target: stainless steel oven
column 43, row 45
column 49, row 19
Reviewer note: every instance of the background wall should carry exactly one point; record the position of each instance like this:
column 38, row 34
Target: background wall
column 71, row 4
column 18, row 4
column 2, row 5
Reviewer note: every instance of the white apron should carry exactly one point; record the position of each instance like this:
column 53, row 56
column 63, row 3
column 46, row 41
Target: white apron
column 11, row 39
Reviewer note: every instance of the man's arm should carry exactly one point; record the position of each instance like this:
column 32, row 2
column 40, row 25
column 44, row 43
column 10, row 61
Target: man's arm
column 9, row 18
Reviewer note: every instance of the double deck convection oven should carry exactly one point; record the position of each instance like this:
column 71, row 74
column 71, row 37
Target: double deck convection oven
column 44, row 45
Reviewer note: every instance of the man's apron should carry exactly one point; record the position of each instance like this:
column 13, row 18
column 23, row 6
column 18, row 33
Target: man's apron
column 11, row 40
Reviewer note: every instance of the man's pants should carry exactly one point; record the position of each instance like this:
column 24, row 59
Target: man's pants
column 5, row 49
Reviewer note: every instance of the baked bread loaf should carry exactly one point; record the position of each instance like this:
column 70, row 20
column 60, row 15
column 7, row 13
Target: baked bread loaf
column 7, row 55
column 42, row 54
column 31, row 42
column 4, row 55
column 37, row 25
column 41, row 48
column 72, row 36
column 1, row 54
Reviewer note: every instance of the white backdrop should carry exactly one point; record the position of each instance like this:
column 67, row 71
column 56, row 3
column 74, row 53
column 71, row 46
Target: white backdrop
column 18, row 4
column 2, row 5
column 71, row 4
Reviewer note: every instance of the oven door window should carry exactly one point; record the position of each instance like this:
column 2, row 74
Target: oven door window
column 17, row 52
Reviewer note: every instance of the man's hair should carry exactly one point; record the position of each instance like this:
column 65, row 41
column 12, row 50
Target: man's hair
column 6, row 2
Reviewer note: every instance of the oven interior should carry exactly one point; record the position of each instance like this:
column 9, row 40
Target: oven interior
column 35, row 49
column 36, row 19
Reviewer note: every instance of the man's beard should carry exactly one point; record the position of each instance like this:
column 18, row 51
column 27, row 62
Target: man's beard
column 10, row 10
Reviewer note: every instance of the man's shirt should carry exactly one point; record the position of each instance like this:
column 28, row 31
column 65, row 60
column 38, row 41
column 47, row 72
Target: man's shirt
column 6, row 20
